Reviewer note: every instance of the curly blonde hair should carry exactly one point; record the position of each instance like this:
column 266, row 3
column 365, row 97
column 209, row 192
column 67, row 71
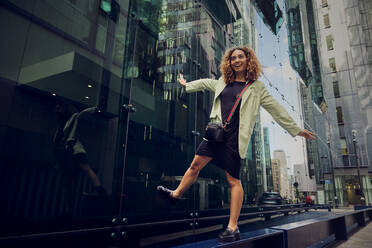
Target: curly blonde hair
column 253, row 67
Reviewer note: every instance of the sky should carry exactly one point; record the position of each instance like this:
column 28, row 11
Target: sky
column 286, row 80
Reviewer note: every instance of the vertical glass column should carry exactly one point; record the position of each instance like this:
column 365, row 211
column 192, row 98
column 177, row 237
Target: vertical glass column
column 158, row 120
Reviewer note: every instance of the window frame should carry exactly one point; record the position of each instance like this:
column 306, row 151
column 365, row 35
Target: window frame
column 332, row 64
column 326, row 21
column 339, row 115
column 336, row 89
column 329, row 42
column 343, row 146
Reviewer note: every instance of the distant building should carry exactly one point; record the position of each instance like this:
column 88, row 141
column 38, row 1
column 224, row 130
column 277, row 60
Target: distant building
column 306, row 185
column 275, row 165
column 269, row 174
column 284, row 183
column 345, row 52
column 304, row 58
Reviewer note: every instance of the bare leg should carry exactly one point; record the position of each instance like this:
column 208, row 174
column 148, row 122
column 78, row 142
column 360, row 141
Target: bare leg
column 191, row 174
column 90, row 173
column 236, row 199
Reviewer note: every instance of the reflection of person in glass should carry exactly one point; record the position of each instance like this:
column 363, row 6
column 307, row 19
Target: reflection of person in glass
column 239, row 67
column 69, row 151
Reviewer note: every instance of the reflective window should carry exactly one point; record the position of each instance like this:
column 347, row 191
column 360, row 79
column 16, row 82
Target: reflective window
column 329, row 40
column 343, row 146
column 326, row 21
column 332, row 64
column 60, row 117
column 336, row 89
column 340, row 117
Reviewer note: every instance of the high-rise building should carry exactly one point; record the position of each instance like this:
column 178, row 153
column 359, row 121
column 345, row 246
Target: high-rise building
column 304, row 58
column 269, row 173
column 275, row 164
column 344, row 45
column 244, row 28
column 306, row 185
column 335, row 59
column 284, row 182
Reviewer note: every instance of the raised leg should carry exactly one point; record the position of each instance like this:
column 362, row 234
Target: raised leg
column 90, row 173
column 191, row 174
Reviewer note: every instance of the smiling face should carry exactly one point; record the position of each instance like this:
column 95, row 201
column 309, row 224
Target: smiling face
column 238, row 61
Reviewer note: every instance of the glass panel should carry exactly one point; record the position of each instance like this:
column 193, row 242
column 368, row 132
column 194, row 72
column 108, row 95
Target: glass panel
column 332, row 64
column 101, row 238
column 340, row 116
column 326, row 21
column 59, row 121
column 329, row 40
column 336, row 89
column 341, row 129
column 367, row 188
column 342, row 191
column 160, row 144
column 343, row 147
column 345, row 159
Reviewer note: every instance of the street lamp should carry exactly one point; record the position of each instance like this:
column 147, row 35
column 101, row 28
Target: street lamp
column 333, row 173
column 362, row 199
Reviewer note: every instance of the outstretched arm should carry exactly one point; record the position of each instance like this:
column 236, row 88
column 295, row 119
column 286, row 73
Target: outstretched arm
column 198, row 85
column 306, row 134
column 87, row 111
column 282, row 117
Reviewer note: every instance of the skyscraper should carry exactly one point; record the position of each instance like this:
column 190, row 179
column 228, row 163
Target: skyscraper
column 345, row 59
column 269, row 173
column 284, row 182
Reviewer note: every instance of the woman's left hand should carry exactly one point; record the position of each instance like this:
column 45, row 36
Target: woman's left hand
column 306, row 134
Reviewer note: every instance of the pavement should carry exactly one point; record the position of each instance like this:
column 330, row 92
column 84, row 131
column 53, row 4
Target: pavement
column 361, row 238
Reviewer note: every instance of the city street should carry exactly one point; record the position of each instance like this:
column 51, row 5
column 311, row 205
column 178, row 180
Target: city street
column 162, row 123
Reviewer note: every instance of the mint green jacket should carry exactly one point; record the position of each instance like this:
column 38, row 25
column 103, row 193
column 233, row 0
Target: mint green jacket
column 255, row 96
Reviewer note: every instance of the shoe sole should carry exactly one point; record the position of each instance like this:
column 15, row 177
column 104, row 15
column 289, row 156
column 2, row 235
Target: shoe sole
column 167, row 197
column 236, row 237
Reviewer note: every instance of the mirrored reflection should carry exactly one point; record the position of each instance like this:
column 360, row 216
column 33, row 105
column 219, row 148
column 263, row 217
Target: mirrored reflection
column 59, row 121
column 160, row 141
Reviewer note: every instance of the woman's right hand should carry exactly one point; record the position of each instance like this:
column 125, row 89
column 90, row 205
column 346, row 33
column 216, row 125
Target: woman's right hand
column 182, row 81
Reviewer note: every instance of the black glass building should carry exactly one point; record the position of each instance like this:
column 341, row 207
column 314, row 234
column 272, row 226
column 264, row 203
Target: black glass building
column 106, row 72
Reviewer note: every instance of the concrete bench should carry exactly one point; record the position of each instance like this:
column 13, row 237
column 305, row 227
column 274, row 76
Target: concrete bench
column 320, row 231
column 260, row 238
column 311, row 233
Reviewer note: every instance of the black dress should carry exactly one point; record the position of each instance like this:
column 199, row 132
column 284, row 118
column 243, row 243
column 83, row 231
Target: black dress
column 226, row 155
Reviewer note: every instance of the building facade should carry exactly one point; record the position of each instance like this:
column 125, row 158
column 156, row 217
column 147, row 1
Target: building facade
column 269, row 173
column 305, row 59
column 344, row 45
column 275, row 165
column 306, row 185
column 284, row 182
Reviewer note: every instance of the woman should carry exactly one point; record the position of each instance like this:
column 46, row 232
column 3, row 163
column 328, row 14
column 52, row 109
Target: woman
column 239, row 66
column 68, row 149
